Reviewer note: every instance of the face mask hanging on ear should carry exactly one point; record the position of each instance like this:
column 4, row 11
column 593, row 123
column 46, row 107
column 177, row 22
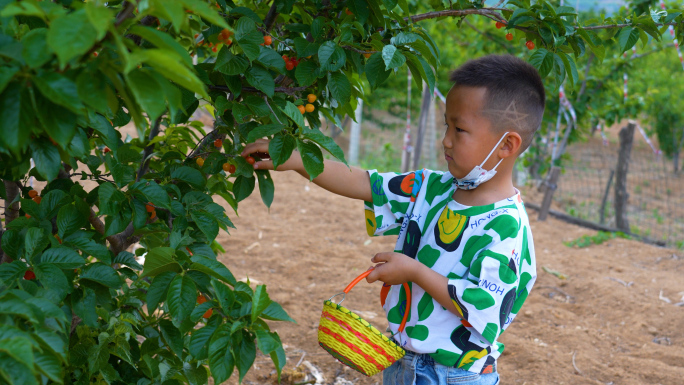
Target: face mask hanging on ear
column 478, row 175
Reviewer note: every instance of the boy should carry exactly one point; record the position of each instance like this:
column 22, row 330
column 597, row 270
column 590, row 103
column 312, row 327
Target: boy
column 464, row 242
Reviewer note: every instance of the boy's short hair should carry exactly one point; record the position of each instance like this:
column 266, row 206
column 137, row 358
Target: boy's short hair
column 515, row 96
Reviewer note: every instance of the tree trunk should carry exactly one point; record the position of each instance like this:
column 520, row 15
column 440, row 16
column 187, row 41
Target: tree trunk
column 422, row 126
column 355, row 134
column 621, row 194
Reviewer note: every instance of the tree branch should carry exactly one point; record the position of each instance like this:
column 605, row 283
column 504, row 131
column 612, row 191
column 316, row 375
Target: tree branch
column 286, row 90
column 490, row 37
column 270, row 17
column 126, row 13
column 494, row 13
column 145, row 163
column 11, row 211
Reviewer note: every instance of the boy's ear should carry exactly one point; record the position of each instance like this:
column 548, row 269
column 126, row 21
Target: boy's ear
column 511, row 145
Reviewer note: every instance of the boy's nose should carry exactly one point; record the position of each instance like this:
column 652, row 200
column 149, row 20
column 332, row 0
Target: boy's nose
column 446, row 142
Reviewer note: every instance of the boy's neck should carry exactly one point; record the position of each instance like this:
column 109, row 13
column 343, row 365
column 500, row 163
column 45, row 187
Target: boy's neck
column 498, row 188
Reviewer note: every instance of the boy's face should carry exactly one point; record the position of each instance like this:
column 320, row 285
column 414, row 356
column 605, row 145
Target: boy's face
column 468, row 136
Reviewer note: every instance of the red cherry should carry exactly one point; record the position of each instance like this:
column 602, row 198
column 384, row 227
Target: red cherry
column 218, row 143
column 268, row 40
column 289, row 65
column 509, row 36
column 287, row 59
column 106, row 150
column 250, row 160
column 231, row 169
column 499, row 25
column 530, row 44
column 29, row 275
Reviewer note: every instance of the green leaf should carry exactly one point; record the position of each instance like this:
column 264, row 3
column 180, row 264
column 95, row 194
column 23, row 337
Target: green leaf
column 280, row 149
column 6, row 74
column 293, row 113
column 189, row 175
column 375, row 70
column 162, row 40
column 264, row 131
column 340, row 87
column 266, row 341
column 570, row 67
column 275, row 312
column 326, row 142
column 224, row 295
column 158, row 290
column 312, row 157
column 199, row 343
column 69, row 220
column 62, row 257
column 146, row 91
column 109, row 199
column 36, row 51
column 53, row 279
column 128, row 259
column 245, row 356
column 260, row 301
column 19, row 348
column 543, row 61
column 159, row 260
column 100, row 17
column 71, row 35
column 166, row 63
column 404, row 38
column 392, row 57
column 59, row 122
column 47, row 159
column 266, row 186
column 155, row 194
column 270, row 59
column 84, row 306
column 305, row 73
column 243, row 187
column 206, row 222
column 627, row 37
column 35, row 242
column 213, row 268
column 102, row 274
column 278, row 356
column 49, row 365
column 331, row 56
column 261, row 79
column 10, row 272
column 14, row 117
column 181, row 298
column 221, row 360
column 172, row 336
column 230, row 64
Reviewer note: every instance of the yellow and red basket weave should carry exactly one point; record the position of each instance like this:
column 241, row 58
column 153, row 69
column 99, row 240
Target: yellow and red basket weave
column 353, row 341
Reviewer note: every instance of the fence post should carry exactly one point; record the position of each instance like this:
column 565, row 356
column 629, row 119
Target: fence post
column 621, row 194
column 551, row 185
column 602, row 213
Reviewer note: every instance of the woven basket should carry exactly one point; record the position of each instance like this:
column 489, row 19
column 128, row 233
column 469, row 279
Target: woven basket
column 353, row 341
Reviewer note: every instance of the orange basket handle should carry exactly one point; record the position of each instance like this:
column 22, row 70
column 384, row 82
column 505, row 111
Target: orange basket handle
column 406, row 288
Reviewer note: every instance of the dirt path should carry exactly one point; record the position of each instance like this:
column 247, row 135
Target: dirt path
column 606, row 316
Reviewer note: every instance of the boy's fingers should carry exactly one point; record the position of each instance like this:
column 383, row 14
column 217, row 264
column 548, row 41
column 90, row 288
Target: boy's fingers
column 258, row 146
column 380, row 257
column 263, row 165
column 372, row 277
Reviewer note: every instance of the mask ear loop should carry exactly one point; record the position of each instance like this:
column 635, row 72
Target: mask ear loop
column 494, row 149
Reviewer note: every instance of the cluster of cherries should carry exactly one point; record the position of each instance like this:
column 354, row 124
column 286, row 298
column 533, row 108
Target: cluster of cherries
column 290, row 62
column 308, row 107
column 509, row 36
column 227, row 167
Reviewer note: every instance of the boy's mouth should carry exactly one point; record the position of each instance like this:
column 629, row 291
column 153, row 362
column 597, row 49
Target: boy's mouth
column 447, row 157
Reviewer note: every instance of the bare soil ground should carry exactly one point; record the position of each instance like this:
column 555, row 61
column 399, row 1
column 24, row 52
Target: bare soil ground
column 613, row 320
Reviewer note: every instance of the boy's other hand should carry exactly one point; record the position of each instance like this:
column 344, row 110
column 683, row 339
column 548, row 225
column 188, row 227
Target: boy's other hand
column 260, row 149
column 393, row 268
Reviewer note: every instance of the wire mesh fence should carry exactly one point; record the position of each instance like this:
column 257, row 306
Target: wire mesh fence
column 655, row 207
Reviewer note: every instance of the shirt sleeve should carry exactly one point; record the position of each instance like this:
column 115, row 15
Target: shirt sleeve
column 486, row 295
column 392, row 196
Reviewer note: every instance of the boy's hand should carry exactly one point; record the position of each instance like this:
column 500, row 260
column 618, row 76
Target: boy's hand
column 393, row 268
column 260, row 149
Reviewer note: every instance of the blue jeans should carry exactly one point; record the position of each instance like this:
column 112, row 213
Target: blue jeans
column 421, row 369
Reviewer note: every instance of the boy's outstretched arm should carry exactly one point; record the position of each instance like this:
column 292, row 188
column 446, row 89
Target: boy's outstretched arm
column 351, row 182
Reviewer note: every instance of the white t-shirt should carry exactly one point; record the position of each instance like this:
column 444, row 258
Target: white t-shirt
column 485, row 251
